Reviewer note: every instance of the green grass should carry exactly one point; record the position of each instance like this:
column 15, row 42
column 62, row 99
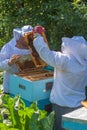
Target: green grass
column 1, row 81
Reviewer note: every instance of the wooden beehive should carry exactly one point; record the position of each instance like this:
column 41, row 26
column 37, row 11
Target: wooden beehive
column 34, row 79
column 31, row 66
column 32, row 60
column 34, row 74
column 35, row 57
column 25, row 63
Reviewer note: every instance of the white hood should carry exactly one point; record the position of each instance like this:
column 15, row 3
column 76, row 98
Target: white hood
column 76, row 46
column 17, row 32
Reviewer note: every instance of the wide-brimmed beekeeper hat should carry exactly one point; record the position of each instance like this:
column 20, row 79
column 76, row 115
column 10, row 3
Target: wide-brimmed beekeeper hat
column 75, row 46
column 17, row 32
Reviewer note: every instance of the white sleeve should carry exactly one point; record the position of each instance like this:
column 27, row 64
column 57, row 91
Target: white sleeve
column 53, row 58
column 4, row 58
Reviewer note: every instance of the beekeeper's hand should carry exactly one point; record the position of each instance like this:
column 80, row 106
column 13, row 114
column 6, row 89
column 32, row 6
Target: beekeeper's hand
column 13, row 59
column 38, row 30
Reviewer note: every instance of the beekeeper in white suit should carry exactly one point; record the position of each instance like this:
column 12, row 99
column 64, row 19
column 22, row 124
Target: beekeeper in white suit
column 70, row 73
column 11, row 51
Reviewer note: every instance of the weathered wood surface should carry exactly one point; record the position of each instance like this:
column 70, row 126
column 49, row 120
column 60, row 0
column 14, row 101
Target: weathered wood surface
column 35, row 74
column 35, row 56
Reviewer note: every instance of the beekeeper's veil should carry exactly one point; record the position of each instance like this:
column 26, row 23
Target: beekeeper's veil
column 17, row 32
column 76, row 46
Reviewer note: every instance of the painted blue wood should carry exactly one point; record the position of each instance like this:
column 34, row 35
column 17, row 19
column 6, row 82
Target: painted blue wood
column 29, row 90
column 76, row 120
column 42, row 104
column 70, row 125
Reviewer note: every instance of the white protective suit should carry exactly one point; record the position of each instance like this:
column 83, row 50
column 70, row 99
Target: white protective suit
column 7, row 51
column 70, row 70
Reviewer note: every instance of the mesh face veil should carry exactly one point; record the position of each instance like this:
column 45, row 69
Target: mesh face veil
column 17, row 32
column 75, row 46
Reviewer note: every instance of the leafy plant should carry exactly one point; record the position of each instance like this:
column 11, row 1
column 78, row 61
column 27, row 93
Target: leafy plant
column 14, row 115
column 60, row 18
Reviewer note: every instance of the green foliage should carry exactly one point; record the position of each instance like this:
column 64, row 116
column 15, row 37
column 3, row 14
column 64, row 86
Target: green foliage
column 60, row 18
column 1, row 78
column 14, row 115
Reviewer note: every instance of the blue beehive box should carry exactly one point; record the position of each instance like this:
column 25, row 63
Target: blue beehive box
column 34, row 85
column 75, row 120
